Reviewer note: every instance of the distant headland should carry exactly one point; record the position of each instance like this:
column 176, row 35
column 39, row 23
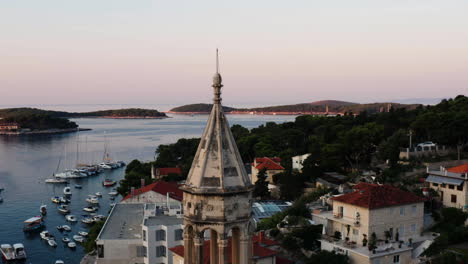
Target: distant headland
column 326, row 107
column 27, row 121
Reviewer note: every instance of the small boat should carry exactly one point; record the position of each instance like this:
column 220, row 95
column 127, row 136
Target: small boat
column 7, row 252
column 46, row 235
column 93, row 200
column 55, row 199
column 56, row 180
column 64, row 228
column 71, row 218
column 66, row 240
column 98, row 194
column 77, row 186
column 87, row 221
column 64, row 209
column 71, row 245
column 108, row 183
column 90, row 209
column 67, row 190
column 18, row 248
column 101, row 217
column 59, row 262
column 83, row 233
column 33, row 223
column 52, row 242
column 64, row 200
column 78, row 238
column 97, row 218
column 43, row 209
column 113, row 193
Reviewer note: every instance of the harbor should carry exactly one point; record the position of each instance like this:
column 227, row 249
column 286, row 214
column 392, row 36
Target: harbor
column 27, row 161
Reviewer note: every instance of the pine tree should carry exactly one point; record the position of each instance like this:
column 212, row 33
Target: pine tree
column 261, row 185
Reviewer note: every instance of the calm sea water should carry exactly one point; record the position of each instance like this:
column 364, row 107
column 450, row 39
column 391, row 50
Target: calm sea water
column 26, row 161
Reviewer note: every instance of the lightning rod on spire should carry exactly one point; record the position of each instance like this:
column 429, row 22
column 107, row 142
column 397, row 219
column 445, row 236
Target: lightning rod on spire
column 217, row 62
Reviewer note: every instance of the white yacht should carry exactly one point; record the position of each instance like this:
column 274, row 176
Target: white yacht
column 105, row 166
column 56, row 180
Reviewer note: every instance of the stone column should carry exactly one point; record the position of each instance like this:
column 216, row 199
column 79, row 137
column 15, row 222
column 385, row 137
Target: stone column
column 222, row 251
column 188, row 250
column 246, row 250
column 235, row 246
column 198, row 241
column 213, row 247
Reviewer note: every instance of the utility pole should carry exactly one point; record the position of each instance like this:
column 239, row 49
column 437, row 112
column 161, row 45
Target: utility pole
column 410, row 138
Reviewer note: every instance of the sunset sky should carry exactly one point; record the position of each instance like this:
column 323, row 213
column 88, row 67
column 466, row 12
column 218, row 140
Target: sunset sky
column 275, row 51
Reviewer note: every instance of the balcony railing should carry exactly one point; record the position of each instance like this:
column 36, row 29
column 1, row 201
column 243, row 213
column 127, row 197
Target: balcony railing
column 337, row 215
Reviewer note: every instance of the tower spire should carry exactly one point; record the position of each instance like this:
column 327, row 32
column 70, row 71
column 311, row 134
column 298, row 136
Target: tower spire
column 217, row 83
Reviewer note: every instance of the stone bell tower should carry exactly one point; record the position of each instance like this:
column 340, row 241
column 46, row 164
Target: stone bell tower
column 218, row 194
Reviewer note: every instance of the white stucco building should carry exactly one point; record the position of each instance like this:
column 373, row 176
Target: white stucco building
column 139, row 233
column 297, row 161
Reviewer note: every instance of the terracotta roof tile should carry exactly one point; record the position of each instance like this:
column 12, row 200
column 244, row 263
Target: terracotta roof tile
column 459, row 169
column 268, row 163
column 160, row 187
column 374, row 196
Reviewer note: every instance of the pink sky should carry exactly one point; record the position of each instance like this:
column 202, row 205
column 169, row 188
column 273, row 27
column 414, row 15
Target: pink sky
column 57, row 52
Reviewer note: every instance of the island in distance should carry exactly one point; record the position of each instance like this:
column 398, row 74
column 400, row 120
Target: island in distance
column 25, row 121
column 326, row 107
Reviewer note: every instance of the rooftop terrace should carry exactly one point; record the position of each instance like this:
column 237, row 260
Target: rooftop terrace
column 124, row 222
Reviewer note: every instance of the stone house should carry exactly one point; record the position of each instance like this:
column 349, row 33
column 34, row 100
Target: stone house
column 271, row 165
column 394, row 216
column 451, row 185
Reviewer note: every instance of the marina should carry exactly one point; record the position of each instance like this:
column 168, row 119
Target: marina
column 27, row 161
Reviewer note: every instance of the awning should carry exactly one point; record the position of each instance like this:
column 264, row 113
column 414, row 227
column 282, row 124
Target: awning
column 442, row 180
column 33, row 219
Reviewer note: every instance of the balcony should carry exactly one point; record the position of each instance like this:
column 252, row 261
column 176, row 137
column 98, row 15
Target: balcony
column 338, row 215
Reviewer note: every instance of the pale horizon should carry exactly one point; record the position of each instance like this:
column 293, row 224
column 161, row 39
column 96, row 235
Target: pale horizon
column 271, row 52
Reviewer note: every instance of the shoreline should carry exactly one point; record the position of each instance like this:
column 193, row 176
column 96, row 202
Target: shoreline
column 259, row 113
column 120, row 117
column 43, row 132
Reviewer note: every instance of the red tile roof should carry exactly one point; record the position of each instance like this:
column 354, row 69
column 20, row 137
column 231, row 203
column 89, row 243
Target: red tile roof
column 167, row 171
column 258, row 250
column 374, row 196
column 268, row 163
column 160, row 187
column 459, row 169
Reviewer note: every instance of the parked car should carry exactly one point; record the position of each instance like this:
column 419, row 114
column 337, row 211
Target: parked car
column 426, row 144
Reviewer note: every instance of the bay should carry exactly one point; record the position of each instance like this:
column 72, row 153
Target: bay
column 26, row 161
